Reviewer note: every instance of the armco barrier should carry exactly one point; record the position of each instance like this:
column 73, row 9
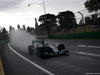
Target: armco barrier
column 85, row 35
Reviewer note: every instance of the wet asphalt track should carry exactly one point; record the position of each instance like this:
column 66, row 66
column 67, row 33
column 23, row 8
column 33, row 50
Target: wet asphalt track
column 84, row 59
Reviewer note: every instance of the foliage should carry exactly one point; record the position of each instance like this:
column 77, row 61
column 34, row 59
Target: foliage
column 18, row 26
column 4, row 34
column 10, row 28
column 66, row 20
column 92, row 5
column 48, row 18
column 24, row 27
column 28, row 29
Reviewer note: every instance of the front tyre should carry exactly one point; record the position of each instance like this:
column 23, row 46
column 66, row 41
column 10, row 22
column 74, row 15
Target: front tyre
column 39, row 52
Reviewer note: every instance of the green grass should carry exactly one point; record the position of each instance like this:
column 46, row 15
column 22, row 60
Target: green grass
column 3, row 42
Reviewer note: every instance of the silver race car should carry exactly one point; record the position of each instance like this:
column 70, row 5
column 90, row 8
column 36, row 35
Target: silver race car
column 43, row 49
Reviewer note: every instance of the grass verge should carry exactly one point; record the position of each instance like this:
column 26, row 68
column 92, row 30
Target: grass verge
column 2, row 42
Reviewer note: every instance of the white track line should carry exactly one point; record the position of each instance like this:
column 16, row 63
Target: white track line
column 89, row 46
column 46, row 71
column 90, row 54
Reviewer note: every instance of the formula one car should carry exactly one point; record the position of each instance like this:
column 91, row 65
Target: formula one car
column 42, row 49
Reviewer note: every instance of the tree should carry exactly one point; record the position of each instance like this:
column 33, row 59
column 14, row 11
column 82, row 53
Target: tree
column 18, row 26
column 29, row 29
column 46, row 19
column 4, row 33
column 92, row 5
column 24, row 27
column 10, row 28
column 0, row 28
column 66, row 20
column 0, row 32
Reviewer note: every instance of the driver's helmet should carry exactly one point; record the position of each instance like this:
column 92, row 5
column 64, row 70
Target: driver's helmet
column 45, row 43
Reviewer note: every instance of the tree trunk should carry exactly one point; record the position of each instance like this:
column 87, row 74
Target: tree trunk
column 47, row 30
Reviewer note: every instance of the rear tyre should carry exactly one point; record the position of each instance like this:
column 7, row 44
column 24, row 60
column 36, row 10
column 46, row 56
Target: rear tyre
column 61, row 47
